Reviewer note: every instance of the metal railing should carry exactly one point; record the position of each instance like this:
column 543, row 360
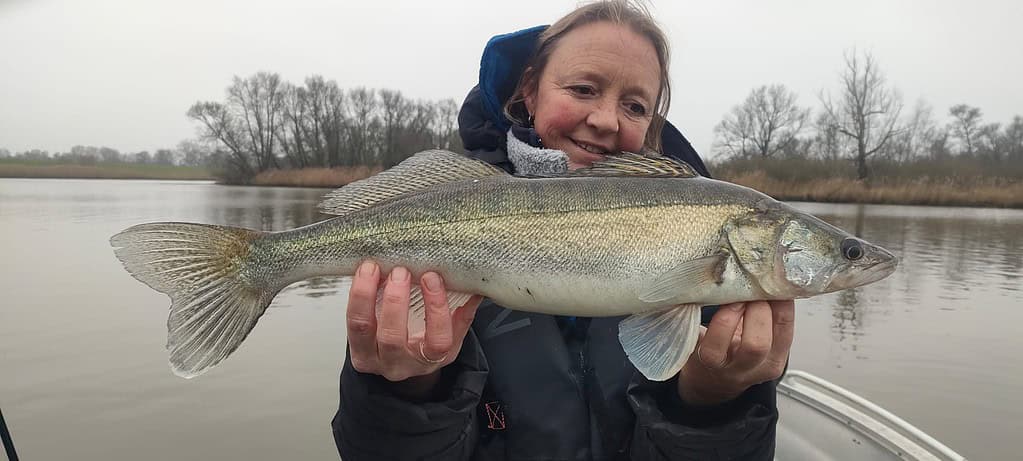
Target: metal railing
column 5, row 437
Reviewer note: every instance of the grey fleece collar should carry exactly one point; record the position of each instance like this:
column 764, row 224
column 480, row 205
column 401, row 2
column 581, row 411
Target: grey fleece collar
column 535, row 161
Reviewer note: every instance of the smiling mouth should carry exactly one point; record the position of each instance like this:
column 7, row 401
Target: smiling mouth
column 596, row 150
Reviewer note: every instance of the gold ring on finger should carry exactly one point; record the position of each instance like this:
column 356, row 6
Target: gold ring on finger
column 699, row 356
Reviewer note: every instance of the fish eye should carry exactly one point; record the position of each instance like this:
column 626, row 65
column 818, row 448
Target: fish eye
column 852, row 249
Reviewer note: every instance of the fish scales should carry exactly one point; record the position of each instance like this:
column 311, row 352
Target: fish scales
column 602, row 235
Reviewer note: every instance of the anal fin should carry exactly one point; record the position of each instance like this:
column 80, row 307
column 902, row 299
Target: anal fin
column 659, row 343
column 417, row 307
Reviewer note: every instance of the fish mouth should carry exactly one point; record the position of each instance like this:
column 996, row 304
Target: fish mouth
column 864, row 275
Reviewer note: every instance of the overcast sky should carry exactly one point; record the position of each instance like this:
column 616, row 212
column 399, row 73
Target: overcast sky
column 122, row 73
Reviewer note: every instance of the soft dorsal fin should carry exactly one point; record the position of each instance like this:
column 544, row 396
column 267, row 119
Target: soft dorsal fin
column 423, row 170
column 629, row 164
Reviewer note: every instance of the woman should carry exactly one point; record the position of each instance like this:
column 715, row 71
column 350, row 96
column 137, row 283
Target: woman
column 489, row 383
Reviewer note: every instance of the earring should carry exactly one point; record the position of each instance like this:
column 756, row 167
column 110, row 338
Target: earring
column 529, row 122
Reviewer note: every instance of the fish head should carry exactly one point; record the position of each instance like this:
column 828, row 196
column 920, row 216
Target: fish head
column 794, row 255
column 817, row 257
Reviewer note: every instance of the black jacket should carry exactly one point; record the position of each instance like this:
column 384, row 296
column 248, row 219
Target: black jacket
column 538, row 387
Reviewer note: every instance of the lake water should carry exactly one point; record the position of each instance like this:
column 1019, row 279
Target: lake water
column 84, row 374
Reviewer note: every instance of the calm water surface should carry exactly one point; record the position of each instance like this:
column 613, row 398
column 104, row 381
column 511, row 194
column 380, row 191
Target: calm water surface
column 84, row 374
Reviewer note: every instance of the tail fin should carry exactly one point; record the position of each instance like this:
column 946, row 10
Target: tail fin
column 202, row 268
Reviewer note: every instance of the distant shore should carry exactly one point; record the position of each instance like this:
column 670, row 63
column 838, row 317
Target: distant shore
column 15, row 169
column 993, row 193
column 931, row 192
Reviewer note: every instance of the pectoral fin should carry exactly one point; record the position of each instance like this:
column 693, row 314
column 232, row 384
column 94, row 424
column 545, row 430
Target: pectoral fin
column 659, row 343
column 677, row 283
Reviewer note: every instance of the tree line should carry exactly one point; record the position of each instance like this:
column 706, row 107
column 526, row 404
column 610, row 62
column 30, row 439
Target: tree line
column 187, row 153
column 267, row 123
column 864, row 121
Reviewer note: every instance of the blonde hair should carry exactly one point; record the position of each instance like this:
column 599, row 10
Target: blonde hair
column 622, row 12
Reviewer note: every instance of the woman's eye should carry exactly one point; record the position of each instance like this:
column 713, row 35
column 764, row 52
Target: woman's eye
column 583, row 90
column 636, row 108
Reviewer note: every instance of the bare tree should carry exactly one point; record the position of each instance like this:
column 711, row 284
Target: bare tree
column 988, row 141
column 220, row 126
column 1013, row 139
column 164, row 157
column 830, row 143
column 395, row 110
column 867, row 110
column 294, row 134
column 193, row 153
column 257, row 102
column 265, row 122
column 940, row 147
column 327, row 122
column 966, row 126
column 446, row 126
column 766, row 123
column 363, row 107
column 916, row 137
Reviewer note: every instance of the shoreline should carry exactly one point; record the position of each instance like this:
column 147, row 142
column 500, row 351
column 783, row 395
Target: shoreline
column 978, row 193
column 31, row 170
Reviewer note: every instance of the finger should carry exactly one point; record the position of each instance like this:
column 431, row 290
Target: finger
column 462, row 319
column 437, row 342
column 361, row 316
column 756, row 336
column 714, row 347
column 392, row 329
column 737, row 336
column 784, row 324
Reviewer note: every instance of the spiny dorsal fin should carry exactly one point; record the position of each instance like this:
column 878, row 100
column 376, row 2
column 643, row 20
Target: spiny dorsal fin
column 630, row 164
column 423, row 170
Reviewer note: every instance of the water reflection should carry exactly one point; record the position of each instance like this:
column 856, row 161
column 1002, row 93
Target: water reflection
column 267, row 209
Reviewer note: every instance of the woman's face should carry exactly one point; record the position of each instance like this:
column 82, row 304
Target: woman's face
column 597, row 94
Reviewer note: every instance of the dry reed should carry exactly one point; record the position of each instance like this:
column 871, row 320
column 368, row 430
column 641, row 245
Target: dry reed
column 984, row 192
column 314, row 177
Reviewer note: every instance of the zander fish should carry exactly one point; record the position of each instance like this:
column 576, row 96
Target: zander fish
column 632, row 235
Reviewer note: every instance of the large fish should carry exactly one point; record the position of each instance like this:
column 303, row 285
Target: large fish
column 632, row 235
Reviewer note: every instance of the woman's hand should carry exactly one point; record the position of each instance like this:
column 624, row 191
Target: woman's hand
column 745, row 344
column 382, row 345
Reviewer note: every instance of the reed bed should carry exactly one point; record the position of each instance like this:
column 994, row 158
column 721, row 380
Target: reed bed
column 957, row 191
column 314, row 177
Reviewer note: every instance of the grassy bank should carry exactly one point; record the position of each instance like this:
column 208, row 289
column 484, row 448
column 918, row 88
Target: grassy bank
column 42, row 169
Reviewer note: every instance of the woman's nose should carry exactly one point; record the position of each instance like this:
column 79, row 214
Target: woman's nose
column 604, row 117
